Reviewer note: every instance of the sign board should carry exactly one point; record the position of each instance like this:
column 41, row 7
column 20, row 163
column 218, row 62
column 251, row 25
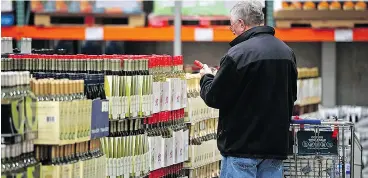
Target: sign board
column 196, row 7
column 310, row 143
column 6, row 6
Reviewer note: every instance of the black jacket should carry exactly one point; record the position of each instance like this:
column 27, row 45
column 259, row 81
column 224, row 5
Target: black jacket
column 255, row 89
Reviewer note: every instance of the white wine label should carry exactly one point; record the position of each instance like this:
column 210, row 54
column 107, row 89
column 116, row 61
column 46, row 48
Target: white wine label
column 186, row 144
column 156, row 97
column 105, row 106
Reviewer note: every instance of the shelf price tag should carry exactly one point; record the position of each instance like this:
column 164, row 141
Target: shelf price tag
column 343, row 35
column 203, row 34
column 94, row 33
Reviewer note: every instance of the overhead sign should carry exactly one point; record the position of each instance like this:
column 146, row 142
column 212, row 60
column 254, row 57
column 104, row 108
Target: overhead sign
column 6, row 6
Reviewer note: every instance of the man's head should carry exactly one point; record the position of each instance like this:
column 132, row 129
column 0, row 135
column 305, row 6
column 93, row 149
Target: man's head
column 245, row 15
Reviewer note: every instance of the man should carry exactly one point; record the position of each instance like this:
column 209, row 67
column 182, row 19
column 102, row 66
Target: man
column 255, row 89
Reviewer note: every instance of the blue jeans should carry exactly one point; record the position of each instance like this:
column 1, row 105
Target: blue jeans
column 233, row 167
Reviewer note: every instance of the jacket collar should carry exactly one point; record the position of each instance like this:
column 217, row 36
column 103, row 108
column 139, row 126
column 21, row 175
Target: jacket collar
column 251, row 33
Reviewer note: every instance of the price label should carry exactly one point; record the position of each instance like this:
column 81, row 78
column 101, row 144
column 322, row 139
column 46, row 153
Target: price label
column 94, row 33
column 344, row 35
column 6, row 6
column 203, row 34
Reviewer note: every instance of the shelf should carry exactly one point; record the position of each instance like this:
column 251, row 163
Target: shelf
column 215, row 34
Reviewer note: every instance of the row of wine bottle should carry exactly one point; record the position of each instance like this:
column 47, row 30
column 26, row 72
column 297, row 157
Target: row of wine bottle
column 196, row 109
column 84, row 159
column 18, row 126
column 59, row 154
column 146, row 97
column 18, row 159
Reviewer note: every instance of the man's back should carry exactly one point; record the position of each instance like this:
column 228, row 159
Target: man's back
column 255, row 89
column 256, row 106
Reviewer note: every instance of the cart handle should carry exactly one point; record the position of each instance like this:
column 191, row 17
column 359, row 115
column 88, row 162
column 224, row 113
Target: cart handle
column 306, row 121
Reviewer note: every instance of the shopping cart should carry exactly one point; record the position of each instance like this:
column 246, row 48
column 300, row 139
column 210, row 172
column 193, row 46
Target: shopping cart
column 321, row 149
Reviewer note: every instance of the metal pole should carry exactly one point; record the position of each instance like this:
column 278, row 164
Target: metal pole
column 352, row 150
column 269, row 12
column 329, row 74
column 19, row 17
column 177, row 25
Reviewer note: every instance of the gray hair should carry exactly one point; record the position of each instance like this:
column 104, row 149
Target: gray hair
column 250, row 11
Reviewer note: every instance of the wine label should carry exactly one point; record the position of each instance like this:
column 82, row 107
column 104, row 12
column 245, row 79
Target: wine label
column 130, row 165
column 50, row 171
column 160, row 152
column 88, row 119
column 165, row 151
column 121, row 166
column 151, row 153
column 179, row 147
column 116, row 105
column 82, row 110
column 108, row 167
column 137, row 165
column 184, row 94
column 165, row 97
column 186, row 144
column 156, row 97
column 63, row 121
column 140, row 95
column 76, row 170
column 128, row 83
column 175, row 146
column 104, row 106
column 75, row 116
column 135, row 104
column 122, row 105
column 170, row 152
column 66, row 171
column 125, row 166
column 48, row 122
column 86, row 168
column 115, row 167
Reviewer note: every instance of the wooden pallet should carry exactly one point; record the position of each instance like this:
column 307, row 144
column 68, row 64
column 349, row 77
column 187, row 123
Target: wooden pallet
column 300, row 110
column 321, row 19
column 321, row 23
column 162, row 21
column 67, row 19
column 320, row 15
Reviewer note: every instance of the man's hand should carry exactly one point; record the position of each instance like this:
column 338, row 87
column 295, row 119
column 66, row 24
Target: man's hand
column 205, row 70
column 214, row 71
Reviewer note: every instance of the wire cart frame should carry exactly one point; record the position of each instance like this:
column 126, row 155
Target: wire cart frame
column 320, row 149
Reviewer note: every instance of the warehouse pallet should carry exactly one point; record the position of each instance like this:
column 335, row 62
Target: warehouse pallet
column 320, row 15
column 321, row 19
column 306, row 106
column 161, row 21
column 321, row 23
column 301, row 110
column 63, row 19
